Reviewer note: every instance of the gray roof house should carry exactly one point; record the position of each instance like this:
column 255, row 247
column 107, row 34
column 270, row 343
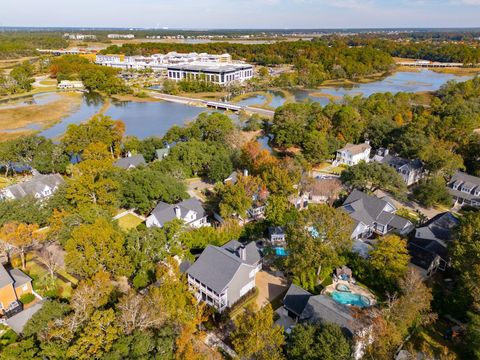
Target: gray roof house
column 277, row 235
column 40, row 187
column 222, row 275
column 411, row 171
column 190, row 211
column 303, row 306
column 465, row 189
column 374, row 215
column 162, row 153
column 428, row 249
column 130, row 162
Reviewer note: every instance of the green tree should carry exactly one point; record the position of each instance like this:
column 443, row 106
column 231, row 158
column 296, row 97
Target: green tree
column 316, row 240
column 256, row 336
column 374, row 176
column 51, row 310
column 389, row 259
column 440, row 159
column 95, row 247
column 318, row 342
column 432, row 191
column 276, row 209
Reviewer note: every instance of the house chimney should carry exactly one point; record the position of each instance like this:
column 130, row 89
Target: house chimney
column 245, row 172
column 386, row 152
column 129, row 154
column 367, row 142
column 242, row 253
column 178, row 212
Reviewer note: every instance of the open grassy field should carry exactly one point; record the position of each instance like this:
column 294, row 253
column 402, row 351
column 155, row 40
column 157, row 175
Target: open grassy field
column 129, row 221
column 15, row 121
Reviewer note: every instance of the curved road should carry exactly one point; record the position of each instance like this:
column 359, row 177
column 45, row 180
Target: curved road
column 201, row 102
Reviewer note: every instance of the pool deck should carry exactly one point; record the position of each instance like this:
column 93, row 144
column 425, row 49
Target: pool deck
column 355, row 289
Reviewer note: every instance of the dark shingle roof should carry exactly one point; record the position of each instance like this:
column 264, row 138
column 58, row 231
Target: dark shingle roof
column 296, row 299
column 5, row 277
column 325, row 309
column 439, row 228
column 19, row 277
column 215, row 268
column 131, row 161
column 165, row 212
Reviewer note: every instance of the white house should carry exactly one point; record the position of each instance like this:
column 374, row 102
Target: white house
column 70, row 85
column 352, row 154
column 190, row 211
column 40, row 187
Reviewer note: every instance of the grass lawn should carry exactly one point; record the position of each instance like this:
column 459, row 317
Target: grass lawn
column 129, row 221
column 42, row 283
column 4, row 182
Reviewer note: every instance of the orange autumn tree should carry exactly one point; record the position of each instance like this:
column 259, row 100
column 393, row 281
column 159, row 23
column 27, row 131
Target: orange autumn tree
column 22, row 237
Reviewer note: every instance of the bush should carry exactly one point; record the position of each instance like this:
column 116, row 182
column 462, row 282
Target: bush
column 27, row 298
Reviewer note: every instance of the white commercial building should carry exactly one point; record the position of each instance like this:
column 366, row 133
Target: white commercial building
column 120, row 36
column 222, row 74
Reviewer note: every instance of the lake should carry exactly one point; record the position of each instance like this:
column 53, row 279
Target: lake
column 144, row 119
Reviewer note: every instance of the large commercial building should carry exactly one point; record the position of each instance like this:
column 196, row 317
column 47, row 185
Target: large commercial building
column 121, row 36
column 222, row 74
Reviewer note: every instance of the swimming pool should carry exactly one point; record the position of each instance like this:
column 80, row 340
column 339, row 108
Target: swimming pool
column 280, row 251
column 348, row 298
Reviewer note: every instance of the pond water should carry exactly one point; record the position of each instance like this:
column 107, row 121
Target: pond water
column 423, row 80
column 263, row 140
column 144, row 119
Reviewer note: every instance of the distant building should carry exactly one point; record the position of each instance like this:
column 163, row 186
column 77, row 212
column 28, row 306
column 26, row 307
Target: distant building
column 162, row 153
column 222, row 275
column 222, row 74
column 352, row 154
column 277, row 235
column 411, row 171
column 373, row 215
column 429, row 248
column 121, row 36
column 79, row 36
column 190, row 211
column 70, row 85
column 130, row 162
column 465, row 189
column 40, row 187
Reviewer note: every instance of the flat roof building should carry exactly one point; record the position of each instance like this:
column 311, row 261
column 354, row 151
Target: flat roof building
column 222, row 74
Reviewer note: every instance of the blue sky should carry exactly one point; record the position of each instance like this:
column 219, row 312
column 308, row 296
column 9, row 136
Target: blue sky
column 241, row 13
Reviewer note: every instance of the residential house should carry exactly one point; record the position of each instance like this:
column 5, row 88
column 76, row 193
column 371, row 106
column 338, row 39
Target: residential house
column 429, row 247
column 70, row 85
column 303, row 307
column 323, row 191
column 411, row 171
column 374, row 215
column 222, row 275
column 130, row 162
column 162, row 153
column 277, row 235
column 190, row 211
column 465, row 189
column 352, row 154
column 13, row 284
column 39, row 187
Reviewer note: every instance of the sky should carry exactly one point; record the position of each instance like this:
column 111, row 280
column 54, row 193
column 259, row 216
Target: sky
column 237, row 14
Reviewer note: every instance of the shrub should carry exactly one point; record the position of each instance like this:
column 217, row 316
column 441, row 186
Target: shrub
column 27, row 298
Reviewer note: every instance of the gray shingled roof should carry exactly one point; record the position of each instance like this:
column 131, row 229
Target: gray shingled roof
column 470, row 181
column 164, row 212
column 368, row 209
column 130, row 161
column 296, row 299
column 252, row 254
column 19, row 277
column 438, row 228
column 355, row 149
column 35, row 185
column 215, row 268
column 5, row 277
column 325, row 309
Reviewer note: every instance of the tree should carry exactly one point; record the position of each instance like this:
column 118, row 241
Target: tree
column 234, row 200
column 318, row 342
column 220, row 167
column 50, row 257
column 432, row 191
column 22, row 237
column 374, row 176
column 95, row 247
column 50, row 311
column 317, row 238
column 22, row 74
column 389, row 259
column 473, row 335
column 97, row 337
column 276, row 209
column 256, row 336
column 440, row 159
column 316, row 147
column 348, row 124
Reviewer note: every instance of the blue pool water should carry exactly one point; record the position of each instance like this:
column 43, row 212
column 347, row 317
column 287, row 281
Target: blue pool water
column 348, row 298
column 279, row 251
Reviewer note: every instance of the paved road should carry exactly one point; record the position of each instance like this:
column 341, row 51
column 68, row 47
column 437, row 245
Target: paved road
column 201, row 102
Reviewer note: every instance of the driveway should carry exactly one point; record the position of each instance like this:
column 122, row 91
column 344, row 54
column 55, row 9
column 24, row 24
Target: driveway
column 270, row 287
